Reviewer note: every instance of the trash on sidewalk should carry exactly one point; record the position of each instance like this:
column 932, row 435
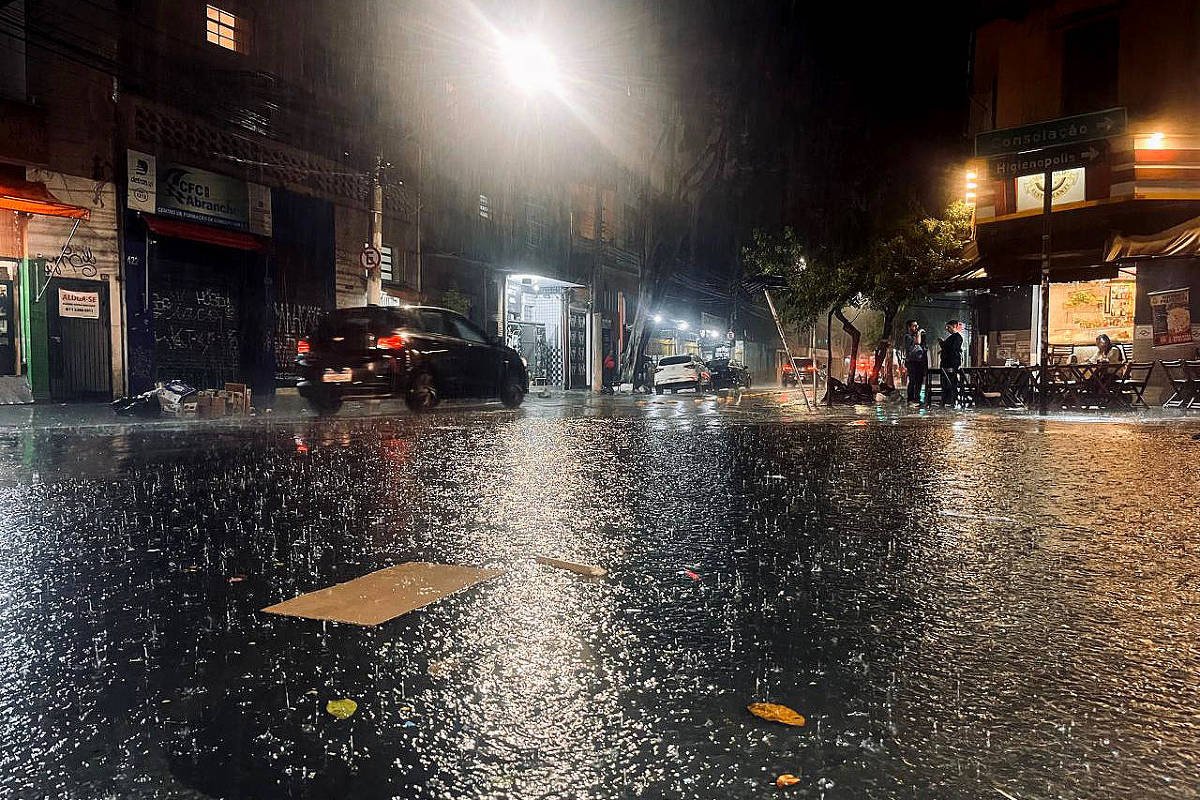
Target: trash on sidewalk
column 586, row 570
column 168, row 396
column 689, row 573
column 343, row 708
column 384, row 594
column 786, row 779
column 774, row 712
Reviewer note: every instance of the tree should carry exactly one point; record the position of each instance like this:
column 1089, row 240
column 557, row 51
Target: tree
column 924, row 253
column 887, row 275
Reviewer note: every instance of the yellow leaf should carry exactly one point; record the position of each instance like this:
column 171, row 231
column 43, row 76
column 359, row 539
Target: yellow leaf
column 341, row 708
column 776, row 713
column 786, row 779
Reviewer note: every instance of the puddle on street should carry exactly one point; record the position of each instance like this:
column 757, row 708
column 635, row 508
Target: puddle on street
column 961, row 607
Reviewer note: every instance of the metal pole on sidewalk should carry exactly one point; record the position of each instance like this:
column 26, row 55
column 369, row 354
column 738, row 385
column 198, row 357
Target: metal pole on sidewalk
column 786, row 349
column 1044, row 300
column 374, row 276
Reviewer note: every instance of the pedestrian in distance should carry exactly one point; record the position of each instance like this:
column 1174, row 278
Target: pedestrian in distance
column 916, row 359
column 610, row 373
column 951, row 362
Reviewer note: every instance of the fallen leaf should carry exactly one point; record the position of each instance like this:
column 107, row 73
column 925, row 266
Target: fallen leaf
column 341, row 708
column 690, row 574
column 237, row 579
column 786, row 779
column 774, row 712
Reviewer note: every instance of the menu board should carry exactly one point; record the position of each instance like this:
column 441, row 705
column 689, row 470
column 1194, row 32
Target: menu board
column 1171, row 317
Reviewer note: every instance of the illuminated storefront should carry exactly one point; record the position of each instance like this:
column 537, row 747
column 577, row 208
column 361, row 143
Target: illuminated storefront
column 1079, row 312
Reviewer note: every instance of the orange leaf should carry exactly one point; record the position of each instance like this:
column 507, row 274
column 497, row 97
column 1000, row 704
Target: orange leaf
column 786, row 779
column 776, row 713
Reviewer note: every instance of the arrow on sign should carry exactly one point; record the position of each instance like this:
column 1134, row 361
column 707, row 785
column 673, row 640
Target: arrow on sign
column 1052, row 159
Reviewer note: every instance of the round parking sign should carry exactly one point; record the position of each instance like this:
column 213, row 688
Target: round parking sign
column 370, row 257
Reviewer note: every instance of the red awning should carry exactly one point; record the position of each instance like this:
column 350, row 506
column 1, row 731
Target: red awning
column 203, row 233
column 35, row 198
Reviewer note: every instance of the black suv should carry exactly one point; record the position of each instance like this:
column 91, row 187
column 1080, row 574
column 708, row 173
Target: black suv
column 420, row 353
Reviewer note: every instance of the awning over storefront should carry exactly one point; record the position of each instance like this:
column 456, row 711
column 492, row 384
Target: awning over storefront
column 203, row 233
column 1181, row 240
column 34, row 198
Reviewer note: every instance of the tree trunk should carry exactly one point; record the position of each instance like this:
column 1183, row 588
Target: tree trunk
column 829, row 357
column 855, row 336
column 882, row 347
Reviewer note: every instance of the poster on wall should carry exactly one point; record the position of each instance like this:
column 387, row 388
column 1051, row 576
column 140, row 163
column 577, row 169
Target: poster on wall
column 1171, row 317
column 78, row 305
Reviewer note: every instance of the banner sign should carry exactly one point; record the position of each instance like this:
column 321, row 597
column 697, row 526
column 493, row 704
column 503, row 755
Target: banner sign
column 196, row 195
column 78, row 305
column 1171, row 317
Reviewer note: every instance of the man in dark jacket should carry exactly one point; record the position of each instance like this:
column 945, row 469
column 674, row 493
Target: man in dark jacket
column 951, row 362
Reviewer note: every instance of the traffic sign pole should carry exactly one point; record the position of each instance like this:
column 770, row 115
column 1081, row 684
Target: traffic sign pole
column 1044, row 302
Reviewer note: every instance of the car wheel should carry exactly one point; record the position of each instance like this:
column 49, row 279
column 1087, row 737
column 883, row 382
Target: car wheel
column 325, row 404
column 422, row 394
column 511, row 394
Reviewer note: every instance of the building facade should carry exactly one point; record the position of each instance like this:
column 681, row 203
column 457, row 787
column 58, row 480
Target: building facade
column 1121, row 263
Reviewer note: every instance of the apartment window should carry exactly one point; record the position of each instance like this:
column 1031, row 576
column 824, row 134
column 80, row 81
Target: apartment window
column 535, row 221
column 1090, row 67
column 228, row 31
column 485, row 206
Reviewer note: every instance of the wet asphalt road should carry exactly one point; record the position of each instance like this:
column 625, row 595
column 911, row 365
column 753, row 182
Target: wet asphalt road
column 964, row 606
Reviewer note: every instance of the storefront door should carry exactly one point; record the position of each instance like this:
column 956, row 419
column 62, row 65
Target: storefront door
column 79, row 355
column 8, row 330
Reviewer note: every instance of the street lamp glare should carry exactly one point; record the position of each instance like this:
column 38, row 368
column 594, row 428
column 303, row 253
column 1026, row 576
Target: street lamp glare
column 530, row 64
column 658, row 317
column 683, row 326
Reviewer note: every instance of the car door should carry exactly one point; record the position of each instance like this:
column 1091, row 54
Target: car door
column 480, row 360
column 444, row 352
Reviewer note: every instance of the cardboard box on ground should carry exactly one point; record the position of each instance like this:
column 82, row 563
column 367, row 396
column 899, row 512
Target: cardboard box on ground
column 233, row 400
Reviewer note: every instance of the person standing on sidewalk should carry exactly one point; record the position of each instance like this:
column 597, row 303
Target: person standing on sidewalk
column 916, row 360
column 951, row 362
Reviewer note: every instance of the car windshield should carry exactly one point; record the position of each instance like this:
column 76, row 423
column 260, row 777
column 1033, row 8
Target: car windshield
column 719, row 363
column 671, row 361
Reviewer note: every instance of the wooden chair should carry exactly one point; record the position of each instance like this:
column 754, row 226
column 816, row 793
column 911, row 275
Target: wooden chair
column 1126, row 350
column 1192, row 368
column 1182, row 392
column 1132, row 384
column 968, row 385
column 1061, row 353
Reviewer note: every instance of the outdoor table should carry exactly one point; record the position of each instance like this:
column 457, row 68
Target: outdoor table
column 994, row 386
column 1096, row 385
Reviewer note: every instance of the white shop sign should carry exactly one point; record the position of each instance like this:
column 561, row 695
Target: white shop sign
column 79, row 305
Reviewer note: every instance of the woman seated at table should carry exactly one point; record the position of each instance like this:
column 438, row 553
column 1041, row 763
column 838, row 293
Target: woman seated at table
column 1106, row 351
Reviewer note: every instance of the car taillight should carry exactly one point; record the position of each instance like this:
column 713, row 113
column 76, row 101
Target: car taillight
column 303, row 347
column 395, row 342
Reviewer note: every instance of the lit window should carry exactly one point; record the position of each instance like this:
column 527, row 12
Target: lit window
column 485, row 207
column 226, row 30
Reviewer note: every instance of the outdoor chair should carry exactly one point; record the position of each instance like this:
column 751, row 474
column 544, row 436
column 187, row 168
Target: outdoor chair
column 1061, row 354
column 1182, row 390
column 968, row 384
column 1192, row 369
column 1133, row 382
column 1126, row 350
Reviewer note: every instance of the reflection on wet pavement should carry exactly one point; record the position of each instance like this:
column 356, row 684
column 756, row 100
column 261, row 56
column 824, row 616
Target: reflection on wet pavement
column 962, row 607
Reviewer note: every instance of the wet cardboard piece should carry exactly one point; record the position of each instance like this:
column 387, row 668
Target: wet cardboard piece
column 384, row 594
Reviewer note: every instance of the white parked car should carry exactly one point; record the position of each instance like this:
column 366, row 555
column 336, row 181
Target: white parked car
column 681, row 372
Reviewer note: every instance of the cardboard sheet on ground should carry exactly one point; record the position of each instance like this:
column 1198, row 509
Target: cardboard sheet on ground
column 384, row 594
